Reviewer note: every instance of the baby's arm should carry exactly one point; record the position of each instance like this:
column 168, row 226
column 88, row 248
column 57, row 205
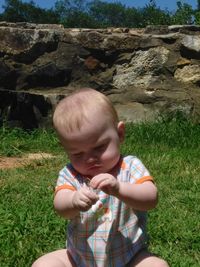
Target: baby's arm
column 139, row 196
column 69, row 203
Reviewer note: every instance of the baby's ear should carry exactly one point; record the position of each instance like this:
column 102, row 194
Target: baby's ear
column 121, row 131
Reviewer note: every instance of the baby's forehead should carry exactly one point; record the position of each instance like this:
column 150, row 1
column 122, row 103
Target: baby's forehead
column 90, row 118
column 89, row 128
column 87, row 137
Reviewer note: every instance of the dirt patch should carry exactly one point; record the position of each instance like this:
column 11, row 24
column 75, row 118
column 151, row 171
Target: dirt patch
column 14, row 162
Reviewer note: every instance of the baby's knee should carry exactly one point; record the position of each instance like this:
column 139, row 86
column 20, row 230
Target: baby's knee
column 161, row 263
column 39, row 263
column 36, row 264
column 144, row 258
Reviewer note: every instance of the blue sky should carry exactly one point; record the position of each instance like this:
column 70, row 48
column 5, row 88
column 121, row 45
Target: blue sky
column 169, row 4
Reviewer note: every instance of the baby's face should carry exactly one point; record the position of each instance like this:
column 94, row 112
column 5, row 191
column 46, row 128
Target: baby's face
column 95, row 148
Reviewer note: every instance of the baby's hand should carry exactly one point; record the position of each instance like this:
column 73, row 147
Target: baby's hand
column 105, row 182
column 84, row 198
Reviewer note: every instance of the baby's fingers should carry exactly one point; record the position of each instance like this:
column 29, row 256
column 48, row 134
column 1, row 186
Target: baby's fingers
column 93, row 197
column 84, row 206
column 97, row 180
column 89, row 197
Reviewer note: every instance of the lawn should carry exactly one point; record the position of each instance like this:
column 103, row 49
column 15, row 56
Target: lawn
column 170, row 149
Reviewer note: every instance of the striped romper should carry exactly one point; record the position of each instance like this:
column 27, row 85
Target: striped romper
column 110, row 233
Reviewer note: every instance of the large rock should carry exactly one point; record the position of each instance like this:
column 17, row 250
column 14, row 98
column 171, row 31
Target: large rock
column 188, row 74
column 144, row 68
column 145, row 72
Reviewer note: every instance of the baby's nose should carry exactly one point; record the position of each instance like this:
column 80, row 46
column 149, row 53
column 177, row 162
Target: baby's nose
column 91, row 158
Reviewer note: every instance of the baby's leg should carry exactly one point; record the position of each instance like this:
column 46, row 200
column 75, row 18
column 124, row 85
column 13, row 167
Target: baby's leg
column 147, row 259
column 59, row 258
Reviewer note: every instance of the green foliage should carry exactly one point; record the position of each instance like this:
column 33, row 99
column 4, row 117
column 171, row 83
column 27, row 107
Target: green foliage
column 16, row 142
column 73, row 14
column 65, row 8
column 17, row 11
column 78, row 19
column 183, row 15
column 98, row 14
column 153, row 15
column 133, row 18
column 169, row 148
column 107, row 14
column 27, row 215
column 169, row 132
column 197, row 17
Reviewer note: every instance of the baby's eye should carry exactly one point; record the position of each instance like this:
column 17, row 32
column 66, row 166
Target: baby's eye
column 101, row 147
column 77, row 155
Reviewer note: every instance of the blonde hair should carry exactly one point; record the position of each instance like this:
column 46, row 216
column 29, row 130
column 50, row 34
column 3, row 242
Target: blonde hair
column 75, row 109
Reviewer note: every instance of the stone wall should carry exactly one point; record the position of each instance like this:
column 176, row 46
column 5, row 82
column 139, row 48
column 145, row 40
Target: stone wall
column 145, row 72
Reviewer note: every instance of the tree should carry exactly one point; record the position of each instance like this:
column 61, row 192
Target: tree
column 79, row 19
column 183, row 15
column 133, row 18
column 74, row 14
column 107, row 14
column 17, row 11
column 197, row 14
column 99, row 14
column 153, row 15
column 65, row 8
column 198, row 5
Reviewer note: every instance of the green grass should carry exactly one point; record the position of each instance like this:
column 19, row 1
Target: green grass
column 170, row 149
column 16, row 142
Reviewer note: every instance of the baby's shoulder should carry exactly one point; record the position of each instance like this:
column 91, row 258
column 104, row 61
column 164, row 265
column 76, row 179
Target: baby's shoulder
column 130, row 160
column 68, row 171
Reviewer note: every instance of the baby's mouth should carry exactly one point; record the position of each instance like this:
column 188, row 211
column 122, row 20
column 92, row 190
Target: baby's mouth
column 95, row 166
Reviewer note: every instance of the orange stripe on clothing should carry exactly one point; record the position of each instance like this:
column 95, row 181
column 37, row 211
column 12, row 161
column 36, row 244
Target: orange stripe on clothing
column 144, row 179
column 123, row 165
column 65, row 186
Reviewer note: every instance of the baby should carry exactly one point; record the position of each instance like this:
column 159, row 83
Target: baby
column 104, row 194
